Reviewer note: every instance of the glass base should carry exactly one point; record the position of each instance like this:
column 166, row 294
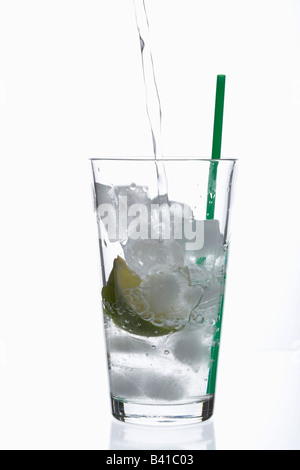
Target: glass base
column 187, row 413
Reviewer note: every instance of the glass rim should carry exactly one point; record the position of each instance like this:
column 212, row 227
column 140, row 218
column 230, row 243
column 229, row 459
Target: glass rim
column 165, row 159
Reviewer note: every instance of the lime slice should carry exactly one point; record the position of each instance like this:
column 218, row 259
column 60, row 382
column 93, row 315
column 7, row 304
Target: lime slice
column 125, row 303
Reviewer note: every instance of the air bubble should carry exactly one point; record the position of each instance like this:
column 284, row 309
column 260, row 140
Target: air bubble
column 198, row 318
column 128, row 299
column 147, row 316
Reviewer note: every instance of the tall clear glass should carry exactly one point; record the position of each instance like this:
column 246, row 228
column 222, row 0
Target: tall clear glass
column 164, row 233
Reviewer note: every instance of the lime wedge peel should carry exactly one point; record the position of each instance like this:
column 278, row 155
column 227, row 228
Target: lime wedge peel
column 124, row 303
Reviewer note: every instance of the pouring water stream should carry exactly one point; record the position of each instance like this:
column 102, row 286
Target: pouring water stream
column 153, row 103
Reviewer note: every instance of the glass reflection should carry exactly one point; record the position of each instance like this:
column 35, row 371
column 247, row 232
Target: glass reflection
column 125, row 436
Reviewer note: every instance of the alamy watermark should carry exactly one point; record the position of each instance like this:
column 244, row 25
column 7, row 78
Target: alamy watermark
column 151, row 222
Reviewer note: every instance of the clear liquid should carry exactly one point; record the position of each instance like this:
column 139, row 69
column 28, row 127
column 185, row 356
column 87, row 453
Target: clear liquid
column 174, row 368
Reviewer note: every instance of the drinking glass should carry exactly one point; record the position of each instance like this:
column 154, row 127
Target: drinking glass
column 164, row 235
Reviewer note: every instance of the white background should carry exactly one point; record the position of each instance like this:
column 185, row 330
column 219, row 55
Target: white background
column 71, row 88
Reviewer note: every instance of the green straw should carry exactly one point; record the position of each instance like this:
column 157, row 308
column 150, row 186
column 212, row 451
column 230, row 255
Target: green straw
column 216, row 148
column 210, row 214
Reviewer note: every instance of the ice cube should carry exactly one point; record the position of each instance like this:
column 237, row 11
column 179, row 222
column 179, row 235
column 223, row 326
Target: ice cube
column 128, row 344
column 171, row 296
column 119, row 206
column 164, row 387
column 134, row 194
column 207, row 314
column 213, row 242
column 149, row 256
column 126, row 383
column 201, row 263
column 105, row 195
column 140, row 384
column 189, row 348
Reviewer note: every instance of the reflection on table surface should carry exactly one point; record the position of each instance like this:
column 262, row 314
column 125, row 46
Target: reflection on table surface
column 125, row 436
